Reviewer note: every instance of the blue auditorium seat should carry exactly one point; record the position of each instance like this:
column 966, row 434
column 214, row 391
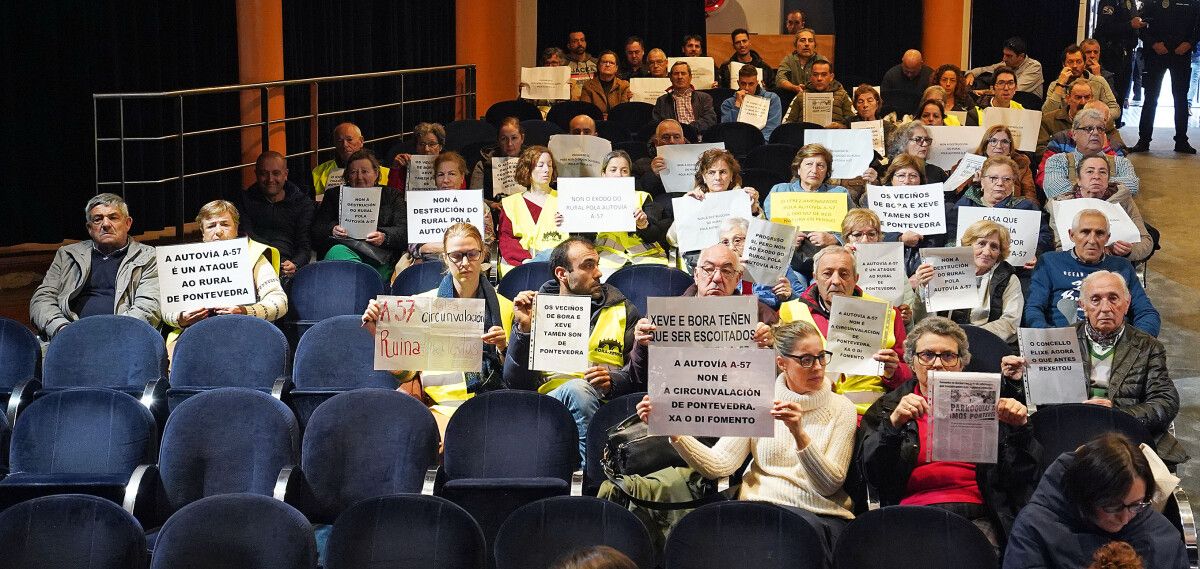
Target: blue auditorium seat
column 530, row 275
column 133, row 354
column 20, row 354
column 634, row 116
column 945, row 540
column 232, row 350
column 563, row 524
column 331, row 288
column 745, row 534
column 562, row 112
column 243, row 531
column 437, row 534
column 70, row 531
column 461, row 133
column 521, row 109
column 334, row 356
column 638, row 282
column 739, row 138
column 987, row 349
column 418, row 278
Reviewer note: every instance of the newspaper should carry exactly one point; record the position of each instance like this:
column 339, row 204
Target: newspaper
column 965, row 428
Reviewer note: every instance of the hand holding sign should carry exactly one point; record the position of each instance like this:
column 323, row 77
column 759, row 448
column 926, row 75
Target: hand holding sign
column 204, row 275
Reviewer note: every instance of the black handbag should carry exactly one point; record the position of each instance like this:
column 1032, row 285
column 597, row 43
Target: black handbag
column 632, row 450
column 372, row 253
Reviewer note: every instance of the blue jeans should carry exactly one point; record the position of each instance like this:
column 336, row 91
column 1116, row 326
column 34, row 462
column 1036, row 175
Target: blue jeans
column 582, row 400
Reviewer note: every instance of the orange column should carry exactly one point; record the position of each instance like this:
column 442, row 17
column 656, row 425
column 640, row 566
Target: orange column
column 479, row 24
column 260, row 59
column 942, row 41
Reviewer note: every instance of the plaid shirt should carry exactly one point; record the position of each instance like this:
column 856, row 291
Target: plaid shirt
column 683, row 105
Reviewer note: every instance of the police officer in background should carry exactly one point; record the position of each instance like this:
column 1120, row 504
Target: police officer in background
column 1117, row 26
column 1171, row 30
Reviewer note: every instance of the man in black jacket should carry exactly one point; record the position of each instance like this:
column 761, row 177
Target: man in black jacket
column 277, row 212
column 1173, row 30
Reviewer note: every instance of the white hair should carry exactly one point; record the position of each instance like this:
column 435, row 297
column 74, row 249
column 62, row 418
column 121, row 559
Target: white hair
column 1093, row 277
column 1083, row 212
column 732, row 224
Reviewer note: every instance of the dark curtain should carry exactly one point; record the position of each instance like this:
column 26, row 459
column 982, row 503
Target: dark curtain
column 332, row 37
column 56, row 54
column 661, row 23
column 871, row 37
column 1046, row 35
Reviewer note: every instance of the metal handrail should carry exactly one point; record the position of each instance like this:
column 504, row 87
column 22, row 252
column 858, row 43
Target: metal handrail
column 466, row 93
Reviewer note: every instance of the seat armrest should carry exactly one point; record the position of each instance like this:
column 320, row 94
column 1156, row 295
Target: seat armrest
column 155, row 392
column 577, row 483
column 143, row 495
column 22, row 395
column 282, row 387
column 430, row 481
column 1187, row 522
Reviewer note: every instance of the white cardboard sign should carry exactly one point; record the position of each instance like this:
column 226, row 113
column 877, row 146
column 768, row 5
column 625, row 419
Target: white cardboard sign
column 420, row 173
column 951, row 142
column 546, row 82
column 715, row 392
column 920, row 209
column 578, row 155
column 596, row 204
column 680, row 174
column 432, row 212
column 698, row 222
column 703, row 321
column 559, row 335
column 421, row 333
column 881, row 270
column 855, row 335
column 853, row 149
column 953, row 285
column 1022, row 224
column 358, row 213
column 216, row 274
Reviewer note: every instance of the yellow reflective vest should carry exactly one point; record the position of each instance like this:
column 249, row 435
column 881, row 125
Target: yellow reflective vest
column 618, row 249
column 534, row 236
column 325, row 170
column 606, row 346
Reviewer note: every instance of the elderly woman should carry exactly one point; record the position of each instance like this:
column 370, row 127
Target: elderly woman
column 1089, row 498
column 1093, row 180
column 510, row 141
column 605, row 90
column 429, row 140
column 219, row 221
column 733, row 235
column 998, row 141
column 811, row 171
column 909, row 170
column 464, row 253
column 528, row 229
column 914, row 139
column 950, row 78
column 862, row 225
column 998, row 178
column 638, row 247
column 716, row 171
column 897, row 433
column 1001, row 302
column 381, row 247
column 449, row 173
column 803, row 465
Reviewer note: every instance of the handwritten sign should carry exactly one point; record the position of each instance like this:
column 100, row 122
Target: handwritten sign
column 711, row 392
column 809, row 211
column 920, row 209
column 703, row 74
column 855, row 334
column 951, row 142
column 648, row 89
column 768, row 250
column 1023, row 226
column 432, row 212
column 359, row 211
column 420, row 173
column 953, row 285
column 559, row 336
column 680, row 174
column 1120, row 226
column 1024, row 124
column 578, row 155
column 1054, row 360
column 754, row 111
column 734, row 68
column 817, row 108
column 204, row 275
column 704, row 321
column 968, row 166
column 965, row 428
column 852, row 149
column 546, row 82
column 420, row 333
column 876, row 128
column 504, row 181
column 596, row 204
column 881, row 270
column 698, row 222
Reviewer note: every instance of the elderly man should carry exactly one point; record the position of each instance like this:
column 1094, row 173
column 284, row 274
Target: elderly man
column 582, row 124
column 575, row 265
column 742, row 53
column 1091, row 60
column 795, row 68
column 1124, row 367
column 107, row 274
column 1027, row 69
column 1054, row 288
column 656, row 64
column 605, row 90
column 904, row 83
column 748, row 85
column 347, row 139
column 835, row 274
column 1079, row 93
column 821, row 80
column 1075, row 68
column 1091, row 178
column 582, row 64
column 276, row 212
column 683, row 103
column 668, row 132
column 1088, row 132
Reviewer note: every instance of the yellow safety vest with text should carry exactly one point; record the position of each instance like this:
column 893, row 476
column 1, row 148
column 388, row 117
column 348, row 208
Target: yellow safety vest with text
column 534, row 236
column 323, row 170
column 606, row 346
column 618, row 249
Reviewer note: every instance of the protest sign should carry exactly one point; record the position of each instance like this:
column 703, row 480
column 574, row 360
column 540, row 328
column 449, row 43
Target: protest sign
column 951, row 142
column 546, row 82
column 578, row 155
column 968, row 166
column 734, row 68
column 768, row 250
column 1022, row 224
column 216, row 274
column 851, row 148
column 337, row 177
column 809, row 211
column 504, row 183
column 596, row 204
column 965, row 428
column 359, row 211
column 855, row 334
column 1120, row 226
column 881, row 270
column 953, row 285
column 920, row 209
column 680, row 174
column 714, row 322
column 754, row 111
column 432, row 212
column 698, row 222
column 703, row 74
column 420, row 333
column 1024, row 124
column 648, row 89
column 714, row 392
column 960, row 115
column 420, row 173
column 817, row 109
column 558, row 340
column 1054, row 370
column 877, row 138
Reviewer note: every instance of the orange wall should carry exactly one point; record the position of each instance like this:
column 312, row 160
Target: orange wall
column 260, row 58
column 491, row 52
column 942, row 38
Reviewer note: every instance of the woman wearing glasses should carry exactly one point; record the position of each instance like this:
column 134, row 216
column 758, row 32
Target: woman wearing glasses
column 429, row 140
column 1088, row 498
column 896, row 438
column 449, row 173
column 913, row 138
column 804, row 464
column 998, row 181
column 464, row 252
column 998, row 141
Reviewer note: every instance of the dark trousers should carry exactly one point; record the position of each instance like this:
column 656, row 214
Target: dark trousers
column 1116, row 59
column 1156, row 67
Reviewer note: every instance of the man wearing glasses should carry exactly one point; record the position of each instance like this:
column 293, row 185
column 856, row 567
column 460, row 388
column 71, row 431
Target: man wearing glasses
column 1003, row 90
column 347, row 139
column 1079, row 93
column 1088, row 132
column 1027, row 71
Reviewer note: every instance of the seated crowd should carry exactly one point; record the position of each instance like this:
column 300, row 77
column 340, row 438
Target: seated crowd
column 836, row 436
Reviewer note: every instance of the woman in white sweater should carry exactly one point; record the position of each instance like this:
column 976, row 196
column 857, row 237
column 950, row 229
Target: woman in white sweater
column 804, row 464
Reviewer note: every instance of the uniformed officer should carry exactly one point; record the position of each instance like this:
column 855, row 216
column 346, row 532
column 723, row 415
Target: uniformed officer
column 1117, row 28
column 1172, row 29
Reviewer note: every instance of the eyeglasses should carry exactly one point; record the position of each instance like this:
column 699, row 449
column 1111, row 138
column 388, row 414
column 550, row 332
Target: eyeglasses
column 1090, row 129
column 1134, row 508
column 733, row 241
column 999, row 141
column 928, row 357
column 1006, row 83
column 1000, row 180
column 921, row 140
column 809, row 360
column 457, row 257
column 727, row 272
column 434, row 144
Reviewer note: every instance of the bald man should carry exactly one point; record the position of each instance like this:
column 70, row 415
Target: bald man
column 582, row 124
column 347, row 139
column 903, row 84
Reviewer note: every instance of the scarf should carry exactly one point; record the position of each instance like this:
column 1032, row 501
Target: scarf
column 489, row 378
column 1101, row 342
